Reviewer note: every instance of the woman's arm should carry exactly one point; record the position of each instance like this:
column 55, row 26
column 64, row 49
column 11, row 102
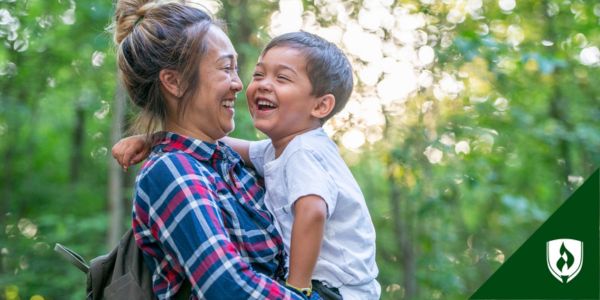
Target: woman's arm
column 182, row 214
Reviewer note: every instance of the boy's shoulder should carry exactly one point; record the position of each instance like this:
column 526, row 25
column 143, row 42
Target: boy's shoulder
column 316, row 143
column 315, row 140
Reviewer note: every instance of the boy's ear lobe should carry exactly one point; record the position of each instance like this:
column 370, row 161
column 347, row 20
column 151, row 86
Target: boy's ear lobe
column 169, row 80
column 324, row 106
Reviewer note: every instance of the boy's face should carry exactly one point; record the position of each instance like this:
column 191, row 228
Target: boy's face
column 279, row 96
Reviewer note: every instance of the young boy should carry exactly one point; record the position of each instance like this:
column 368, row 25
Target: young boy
column 301, row 81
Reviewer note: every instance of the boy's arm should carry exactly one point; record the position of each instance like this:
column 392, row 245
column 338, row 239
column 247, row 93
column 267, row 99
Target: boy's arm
column 310, row 213
column 131, row 150
column 242, row 147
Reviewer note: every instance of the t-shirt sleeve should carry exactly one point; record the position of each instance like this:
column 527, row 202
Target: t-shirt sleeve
column 306, row 174
column 257, row 151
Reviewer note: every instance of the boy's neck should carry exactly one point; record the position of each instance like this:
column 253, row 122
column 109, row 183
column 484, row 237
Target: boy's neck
column 280, row 143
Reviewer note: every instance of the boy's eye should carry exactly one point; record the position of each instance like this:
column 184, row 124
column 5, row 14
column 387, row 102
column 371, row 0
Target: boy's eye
column 283, row 77
column 257, row 74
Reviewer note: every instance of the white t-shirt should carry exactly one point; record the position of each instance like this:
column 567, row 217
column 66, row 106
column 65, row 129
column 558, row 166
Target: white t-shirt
column 312, row 165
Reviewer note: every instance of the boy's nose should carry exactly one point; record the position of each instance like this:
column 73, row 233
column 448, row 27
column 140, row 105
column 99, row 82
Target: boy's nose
column 265, row 85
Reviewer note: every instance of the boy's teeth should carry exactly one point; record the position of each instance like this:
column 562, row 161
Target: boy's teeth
column 266, row 103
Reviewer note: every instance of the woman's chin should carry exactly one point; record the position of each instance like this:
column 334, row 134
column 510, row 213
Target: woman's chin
column 229, row 129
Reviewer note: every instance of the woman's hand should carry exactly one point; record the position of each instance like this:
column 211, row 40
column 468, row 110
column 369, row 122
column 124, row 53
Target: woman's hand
column 131, row 150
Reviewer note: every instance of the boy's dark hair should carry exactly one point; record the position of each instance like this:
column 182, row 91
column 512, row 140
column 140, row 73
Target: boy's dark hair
column 328, row 69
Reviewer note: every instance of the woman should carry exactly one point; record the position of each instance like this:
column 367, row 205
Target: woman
column 198, row 213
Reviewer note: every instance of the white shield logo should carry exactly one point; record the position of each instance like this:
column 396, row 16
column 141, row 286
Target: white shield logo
column 564, row 258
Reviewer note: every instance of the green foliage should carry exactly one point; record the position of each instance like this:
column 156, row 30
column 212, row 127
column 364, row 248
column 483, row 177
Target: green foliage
column 43, row 200
column 467, row 214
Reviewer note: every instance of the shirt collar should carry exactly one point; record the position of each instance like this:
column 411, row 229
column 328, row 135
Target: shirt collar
column 200, row 150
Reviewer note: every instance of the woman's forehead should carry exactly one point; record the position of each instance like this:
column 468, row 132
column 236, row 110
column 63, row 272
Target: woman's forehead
column 218, row 44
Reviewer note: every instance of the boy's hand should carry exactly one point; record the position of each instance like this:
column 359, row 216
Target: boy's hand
column 131, row 150
column 313, row 295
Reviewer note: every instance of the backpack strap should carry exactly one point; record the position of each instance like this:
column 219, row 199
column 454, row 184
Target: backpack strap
column 72, row 257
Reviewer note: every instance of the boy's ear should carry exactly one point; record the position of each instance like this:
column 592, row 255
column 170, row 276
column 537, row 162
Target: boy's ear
column 324, row 106
column 170, row 80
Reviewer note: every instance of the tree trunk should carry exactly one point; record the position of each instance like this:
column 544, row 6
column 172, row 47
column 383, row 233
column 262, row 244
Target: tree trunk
column 558, row 106
column 245, row 29
column 77, row 143
column 7, row 185
column 558, row 112
column 13, row 133
column 402, row 231
column 115, row 175
column 244, row 26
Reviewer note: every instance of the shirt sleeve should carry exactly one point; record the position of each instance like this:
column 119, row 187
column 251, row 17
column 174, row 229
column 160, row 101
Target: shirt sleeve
column 306, row 174
column 184, row 217
column 257, row 151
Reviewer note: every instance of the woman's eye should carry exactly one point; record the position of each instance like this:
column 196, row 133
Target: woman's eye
column 230, row 69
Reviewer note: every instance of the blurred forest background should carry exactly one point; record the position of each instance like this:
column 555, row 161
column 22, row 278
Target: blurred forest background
column 471, row 122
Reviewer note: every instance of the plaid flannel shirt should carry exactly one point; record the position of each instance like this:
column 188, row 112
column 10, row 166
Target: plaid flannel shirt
column 199, row 214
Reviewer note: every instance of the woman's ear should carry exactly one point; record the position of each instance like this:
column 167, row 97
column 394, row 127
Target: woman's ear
column 325, row 105
column 170, row 82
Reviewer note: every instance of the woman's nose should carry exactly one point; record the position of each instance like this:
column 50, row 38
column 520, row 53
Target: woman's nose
column 236, row 84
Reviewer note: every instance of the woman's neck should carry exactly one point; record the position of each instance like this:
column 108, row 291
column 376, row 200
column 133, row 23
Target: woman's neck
column 193, row 133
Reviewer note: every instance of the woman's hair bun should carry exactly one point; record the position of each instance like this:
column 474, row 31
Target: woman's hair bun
column 129, row 13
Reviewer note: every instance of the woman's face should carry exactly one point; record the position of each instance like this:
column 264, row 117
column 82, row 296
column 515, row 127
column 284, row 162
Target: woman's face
column 209, row 116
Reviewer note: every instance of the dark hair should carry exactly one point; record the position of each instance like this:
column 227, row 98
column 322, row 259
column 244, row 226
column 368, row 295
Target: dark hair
column 153, row 36
column 328, row 69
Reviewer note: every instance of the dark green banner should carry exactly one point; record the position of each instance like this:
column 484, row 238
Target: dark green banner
column 560, row 260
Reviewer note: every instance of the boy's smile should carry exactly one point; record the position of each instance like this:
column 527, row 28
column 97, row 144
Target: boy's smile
column 264, row 105
column 279, row 96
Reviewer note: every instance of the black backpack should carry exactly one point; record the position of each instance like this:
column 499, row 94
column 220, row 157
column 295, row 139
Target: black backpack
column 120, row 274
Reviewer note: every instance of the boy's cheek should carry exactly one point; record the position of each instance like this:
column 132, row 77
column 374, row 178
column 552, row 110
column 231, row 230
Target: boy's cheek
column 249, row 91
